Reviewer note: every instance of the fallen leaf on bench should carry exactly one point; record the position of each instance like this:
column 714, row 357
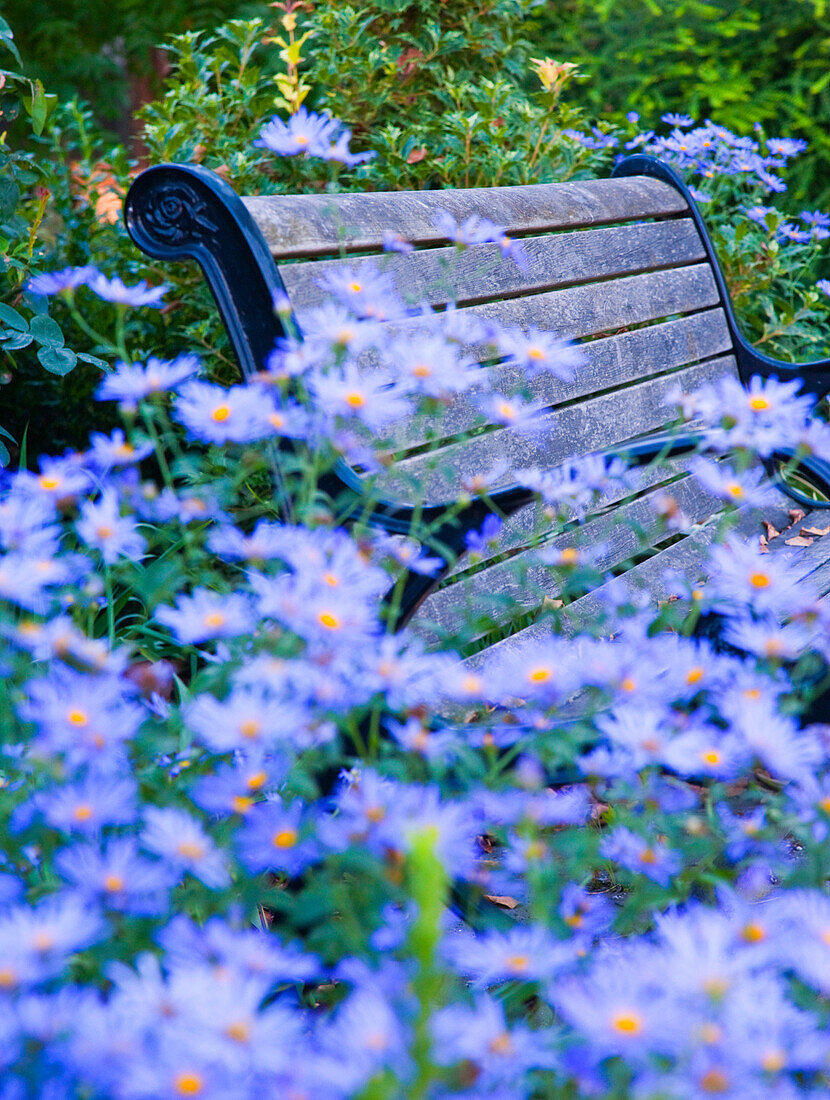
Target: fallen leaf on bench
column 772, row 532
column 796, row 515
column 503, row 900
column 549, row 602
column 797, row 540
column 762, row 544
column 817, row 531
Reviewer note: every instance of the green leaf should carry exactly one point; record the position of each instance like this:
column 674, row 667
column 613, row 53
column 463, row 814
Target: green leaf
column 93, row 359
column 8, row 435
column 9, row 198
column 12, row 318
column 57, row 360
column 5, row 457
column 47, row 331
column 39, row 106
column 16, row 340
column 7, row 38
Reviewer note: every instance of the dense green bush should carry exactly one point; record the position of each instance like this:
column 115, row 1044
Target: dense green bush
column 739, row 63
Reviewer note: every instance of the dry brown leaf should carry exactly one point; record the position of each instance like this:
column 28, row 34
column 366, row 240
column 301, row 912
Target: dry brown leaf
column 817, row 531
column 797, row 540
column 762, row 544
column 772, row 532
column 548, row 602
column 503, row 900
column 796, row 515
column 417, row 155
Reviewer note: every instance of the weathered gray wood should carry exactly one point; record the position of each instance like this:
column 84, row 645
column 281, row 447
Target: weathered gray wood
column 688, row 557
column 520, row 529
column 609, row 362
column 587, row 310
column 509, row 588
column 308, row 225
column 591, row 425
column 440, row 275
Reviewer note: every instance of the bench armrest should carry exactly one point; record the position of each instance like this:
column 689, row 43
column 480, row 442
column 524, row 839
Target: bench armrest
column 815, row 376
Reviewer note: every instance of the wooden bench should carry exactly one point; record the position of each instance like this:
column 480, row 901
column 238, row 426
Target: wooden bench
column 624, row 265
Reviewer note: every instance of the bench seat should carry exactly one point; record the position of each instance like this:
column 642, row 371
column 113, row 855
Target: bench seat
column 624, row 266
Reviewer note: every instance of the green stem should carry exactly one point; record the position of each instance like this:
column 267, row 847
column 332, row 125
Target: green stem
column 110, row 607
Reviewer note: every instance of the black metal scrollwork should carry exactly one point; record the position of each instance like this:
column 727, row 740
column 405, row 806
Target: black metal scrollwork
column 174, row 212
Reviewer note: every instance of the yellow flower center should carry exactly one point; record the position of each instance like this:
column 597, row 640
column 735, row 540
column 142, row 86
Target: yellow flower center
column 752, row 693
column 77, row 717
column 627, row 1023
column 695, row 675
column 48, row 481
column 715, row 988
column 286, row 838
column 113, row 883
column 753, row 933
column 540, row 675
column 220, row 413
column 83, row 812
column 345, row 335
column 502, row 1044
column 104, row 531
column 257, row 780
column 421, row 370
column 356, row 287
column 535, row 352
column 331, row 579
column 758, row 404
column 301, row 139
column 735, row 490
column 8, row 977
column 214, row 618
column 471, row 684
column 250, row 728
column 759, row 580
column 375, row 814
column 506, row 410
column 773, row 1061
column 276, row 420
column 355, row 399
column 43, row 941
column 518, row 962
column 329, row 620
column 714, row 1081
column 648, row 856
column 710, row 1033
column 628, row 684
column 569, row 556
column 189, row 1084
column 190, row 849
column 711, row 756
column 241, row 803
column 239, row 1031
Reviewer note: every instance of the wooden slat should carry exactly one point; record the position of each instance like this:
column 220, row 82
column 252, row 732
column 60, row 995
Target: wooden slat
column 308, row 225
column 590, row 425
column 687, row 557
column 519, row 529
column 587, row 310
column 440, row 275
column 505, row 590
column 611, row 361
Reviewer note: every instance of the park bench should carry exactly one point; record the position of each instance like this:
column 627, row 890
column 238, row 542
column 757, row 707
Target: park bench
column 624, row 265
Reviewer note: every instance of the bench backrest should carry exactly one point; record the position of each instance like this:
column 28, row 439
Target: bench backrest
column 617, row 264
column 622, row 265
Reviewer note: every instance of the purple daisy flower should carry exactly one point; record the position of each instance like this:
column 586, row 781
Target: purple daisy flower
column 133, row 381
column 180, row 840
column 56, row 282
column 218, row 415
column 102, row 527
column 204, row 615
column 114, row 290
column 272, row 839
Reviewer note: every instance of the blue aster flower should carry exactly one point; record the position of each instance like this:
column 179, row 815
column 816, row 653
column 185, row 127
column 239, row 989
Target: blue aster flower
column 57, row 282
column 115, row 290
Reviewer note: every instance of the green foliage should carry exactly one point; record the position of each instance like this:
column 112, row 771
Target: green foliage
column 759, row 61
